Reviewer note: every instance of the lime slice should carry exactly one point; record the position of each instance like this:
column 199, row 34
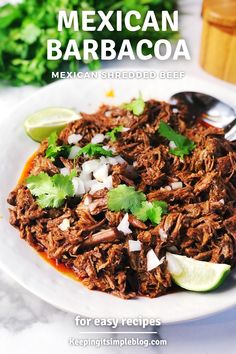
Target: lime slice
column 41, row 124
column 195, row 275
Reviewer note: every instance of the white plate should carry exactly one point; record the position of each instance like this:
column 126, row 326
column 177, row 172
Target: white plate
column 36, row 275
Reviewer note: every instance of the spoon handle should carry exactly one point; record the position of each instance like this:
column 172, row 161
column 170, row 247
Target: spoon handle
column 230, row 130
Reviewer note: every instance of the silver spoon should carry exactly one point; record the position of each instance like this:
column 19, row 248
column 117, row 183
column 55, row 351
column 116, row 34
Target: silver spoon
column 210, row 109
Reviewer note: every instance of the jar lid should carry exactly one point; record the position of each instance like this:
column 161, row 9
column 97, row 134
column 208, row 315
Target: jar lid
column 222, row 14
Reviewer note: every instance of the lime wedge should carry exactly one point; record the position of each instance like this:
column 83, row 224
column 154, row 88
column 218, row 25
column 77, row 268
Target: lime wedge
column 195, row 275
column 41, row 124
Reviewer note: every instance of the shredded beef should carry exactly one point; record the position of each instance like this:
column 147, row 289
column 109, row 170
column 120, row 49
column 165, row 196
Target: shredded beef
column 201, row 219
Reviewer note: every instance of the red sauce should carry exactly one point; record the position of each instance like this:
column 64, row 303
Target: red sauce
column 59, row 266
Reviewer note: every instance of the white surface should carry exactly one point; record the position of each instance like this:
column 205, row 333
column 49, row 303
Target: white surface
column 29, row 325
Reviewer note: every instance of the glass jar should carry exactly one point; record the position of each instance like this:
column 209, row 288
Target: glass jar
column 218, row 45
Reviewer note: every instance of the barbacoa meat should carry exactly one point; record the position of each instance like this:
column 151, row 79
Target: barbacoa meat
column 201, row 222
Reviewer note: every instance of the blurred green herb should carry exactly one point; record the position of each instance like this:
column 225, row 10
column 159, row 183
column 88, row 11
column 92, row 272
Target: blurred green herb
column 183, row 145
column 112, row 134
column 136, row 106
column 25, row 28
column 94, row 150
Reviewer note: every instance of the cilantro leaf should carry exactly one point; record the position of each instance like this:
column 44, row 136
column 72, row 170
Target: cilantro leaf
column 124, row 198
column 40, row 184
column 141, row 212
column 94, row 150
column 160, row 203
column 128, row 199
column 152, row 211
column 50, row 191
column 54, row 150
column 136, row 106
column 183, row 145
column 154, row 214
column 113, row 132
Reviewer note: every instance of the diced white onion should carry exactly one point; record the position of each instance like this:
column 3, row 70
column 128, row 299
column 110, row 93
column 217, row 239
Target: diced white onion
column 87, row 200
column 74, row 138
column 176, row 185
column 79, row 187
column 64, row 225
column 152, row 260
column 111, row 160
column 125, row 129
column 101, row 173
column 107, row 114
column 222, row 201
column 168, row 188
column 124, row 225
column 74, row 151
column 98, row 138
column 134, row 246
column 65, row 171
column 172, row 145
column 109, row 148
column 95, row 186
column 108, row 182
column 173, row 265
column 85, row 176
column 103, row 160
column 99, row 168
column 163, row 234
column 119, row 159
column 90, row 166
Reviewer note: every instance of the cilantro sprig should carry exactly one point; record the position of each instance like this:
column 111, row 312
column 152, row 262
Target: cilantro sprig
column 136, row 106
column 53, row 151
column 128, row 199
column 183, row 145
column 94, row 150
column 51, row 192
column 125, row 198
column 152, row 211
column 113, row 133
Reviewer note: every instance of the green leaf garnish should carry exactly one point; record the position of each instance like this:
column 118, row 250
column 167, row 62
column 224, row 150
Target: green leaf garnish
column 94, row 150
column 124, row 198
column 53, row 151
column 128, row 199
column 160, row 203
column 51, row 192
column 152, row 211
column 136, row 106
column 183, row 145
column 141, row 212
column 30, row 33
column 112, row 134
column 23, row 47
